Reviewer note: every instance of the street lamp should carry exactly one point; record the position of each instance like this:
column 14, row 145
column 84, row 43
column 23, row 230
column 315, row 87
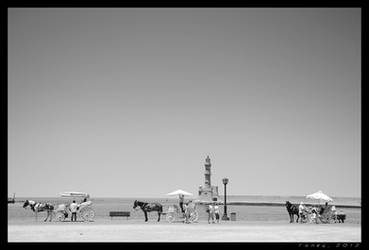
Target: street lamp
column 225, row 182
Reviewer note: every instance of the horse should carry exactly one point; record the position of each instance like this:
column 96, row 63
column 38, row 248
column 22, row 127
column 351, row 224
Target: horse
column 40, row 207
column 292, row 210
column 149, row 207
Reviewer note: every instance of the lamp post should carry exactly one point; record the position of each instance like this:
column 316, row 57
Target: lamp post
column 225, row 182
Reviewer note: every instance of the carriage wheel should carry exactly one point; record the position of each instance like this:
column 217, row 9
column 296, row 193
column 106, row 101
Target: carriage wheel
column 60, row 216
column 87, row 214
column 194, row 216
column 303, row 218
column 324, row 219
column 170, row 217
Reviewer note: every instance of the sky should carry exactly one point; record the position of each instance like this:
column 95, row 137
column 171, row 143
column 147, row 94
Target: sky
column 128, row 102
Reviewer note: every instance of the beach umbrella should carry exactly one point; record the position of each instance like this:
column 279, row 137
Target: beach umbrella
column 180, row 191
column 319, row 196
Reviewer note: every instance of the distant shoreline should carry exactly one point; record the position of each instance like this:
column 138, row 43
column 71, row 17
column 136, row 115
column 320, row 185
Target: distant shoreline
column 230, row 203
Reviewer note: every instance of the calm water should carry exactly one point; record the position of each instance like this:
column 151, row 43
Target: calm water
column 102, row 206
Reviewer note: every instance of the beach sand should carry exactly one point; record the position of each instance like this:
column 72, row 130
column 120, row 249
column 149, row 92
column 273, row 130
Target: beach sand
column 139, row 231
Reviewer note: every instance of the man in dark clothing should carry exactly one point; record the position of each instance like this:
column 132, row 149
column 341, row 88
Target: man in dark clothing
column 181, row 200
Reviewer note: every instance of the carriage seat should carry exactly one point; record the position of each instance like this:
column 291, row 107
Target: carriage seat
column 119, row 214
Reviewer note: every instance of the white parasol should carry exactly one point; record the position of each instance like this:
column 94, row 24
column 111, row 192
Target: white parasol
column 180, row 191
column 319, row 196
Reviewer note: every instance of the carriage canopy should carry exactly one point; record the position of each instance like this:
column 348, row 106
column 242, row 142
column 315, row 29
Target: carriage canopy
column 180, row 191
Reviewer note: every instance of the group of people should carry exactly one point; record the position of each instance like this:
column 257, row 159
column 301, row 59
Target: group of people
column 213, row 212
column 187, row 208
column 315, row 212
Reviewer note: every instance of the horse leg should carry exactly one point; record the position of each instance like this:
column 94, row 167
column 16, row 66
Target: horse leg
column 298, row 216
column 146, row 216
column 291, row 219
column 158, row 216
column 47, row 216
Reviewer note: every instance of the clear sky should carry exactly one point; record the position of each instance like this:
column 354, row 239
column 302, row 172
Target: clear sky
column 129, row 102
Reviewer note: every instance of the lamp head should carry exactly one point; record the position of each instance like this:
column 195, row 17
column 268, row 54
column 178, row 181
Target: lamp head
column 225, row 181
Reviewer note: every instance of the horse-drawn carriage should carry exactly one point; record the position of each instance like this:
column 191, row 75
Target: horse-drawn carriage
column 84, row 211
column 322, row 214
column 315, row 214
column 174, row 214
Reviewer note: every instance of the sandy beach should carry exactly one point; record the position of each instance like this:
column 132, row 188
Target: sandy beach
column 138, row 231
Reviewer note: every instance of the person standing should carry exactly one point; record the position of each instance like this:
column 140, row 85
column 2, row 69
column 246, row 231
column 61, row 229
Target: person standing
column 301, row 211
column 181, row 201
column 314, row 215
column 189, row 209
column 334, row 212
column 210, row 211
column 73, row 208
column 216, row 212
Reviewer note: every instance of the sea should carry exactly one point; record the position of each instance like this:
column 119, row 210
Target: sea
column 240, row 212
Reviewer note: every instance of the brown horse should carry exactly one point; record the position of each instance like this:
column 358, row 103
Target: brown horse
column 292, row 210
column 149, row 207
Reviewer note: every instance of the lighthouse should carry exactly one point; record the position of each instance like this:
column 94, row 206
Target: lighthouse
column 208, row 192
column 207, row 172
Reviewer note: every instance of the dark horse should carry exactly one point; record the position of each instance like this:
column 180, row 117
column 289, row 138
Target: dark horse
column 292, row 210
column 149, row 207
column 40, row 207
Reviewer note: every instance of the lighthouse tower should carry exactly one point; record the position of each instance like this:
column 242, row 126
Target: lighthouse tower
column 208, row 192
column 207, row 172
